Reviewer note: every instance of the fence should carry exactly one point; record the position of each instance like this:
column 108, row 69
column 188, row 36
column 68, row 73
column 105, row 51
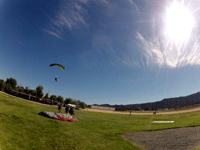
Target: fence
column 32, row 98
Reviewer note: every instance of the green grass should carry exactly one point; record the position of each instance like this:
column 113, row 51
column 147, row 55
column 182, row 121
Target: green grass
column 22, row 128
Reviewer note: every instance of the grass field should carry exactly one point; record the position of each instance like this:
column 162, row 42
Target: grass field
column 22, row 128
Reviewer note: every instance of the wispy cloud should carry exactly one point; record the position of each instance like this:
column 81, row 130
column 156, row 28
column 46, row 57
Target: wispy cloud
column 69, row 16
column 158, row 50
column 75, row 15
column 84, row 1
column 129, row 61
column 170, row 54
column 52, row 33
column 105, row 1
column 134, row 6
column 72, row 15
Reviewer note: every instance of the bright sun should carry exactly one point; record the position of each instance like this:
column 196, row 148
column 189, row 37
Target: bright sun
column 179, row 23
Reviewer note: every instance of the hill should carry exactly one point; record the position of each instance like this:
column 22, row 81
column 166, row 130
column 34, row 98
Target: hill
column 190, row 100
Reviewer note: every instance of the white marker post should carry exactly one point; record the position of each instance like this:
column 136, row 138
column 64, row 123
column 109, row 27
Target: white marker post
column 163, row 122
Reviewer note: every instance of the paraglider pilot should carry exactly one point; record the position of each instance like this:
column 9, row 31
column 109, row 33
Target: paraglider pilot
column 67, row 109
column 71, row 111
column 60, row 66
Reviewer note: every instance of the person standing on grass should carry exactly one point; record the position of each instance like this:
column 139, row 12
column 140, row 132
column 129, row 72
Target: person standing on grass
column 154, row 112
column 71, row 111
column 52, row 101
column 67, row 109
column 59, row 107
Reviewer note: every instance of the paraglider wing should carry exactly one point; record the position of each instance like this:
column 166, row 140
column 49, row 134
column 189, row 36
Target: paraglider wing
column 60, row 66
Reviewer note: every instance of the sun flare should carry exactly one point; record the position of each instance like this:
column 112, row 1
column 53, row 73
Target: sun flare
column 179, row 23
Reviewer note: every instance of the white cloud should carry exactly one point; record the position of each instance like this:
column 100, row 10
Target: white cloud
column 129, row 61
column 134, row 5
column 170, row 54
column 74, row 15
column 105, row 1
column 155, row 48
column 78, row 7
column 84, row 1
column 52, row 33
column 69, row 16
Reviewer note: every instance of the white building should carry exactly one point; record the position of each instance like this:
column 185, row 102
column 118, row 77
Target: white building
column 72, row 105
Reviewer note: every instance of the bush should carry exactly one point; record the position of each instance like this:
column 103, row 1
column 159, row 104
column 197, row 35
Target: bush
column 83, row 105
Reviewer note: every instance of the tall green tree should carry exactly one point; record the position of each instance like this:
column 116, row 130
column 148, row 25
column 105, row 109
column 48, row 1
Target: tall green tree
column 20, row 88
column 26, row 90
column 8, row 87
column 2, row 85
column 39, row 91
column 83, row 105
column 12, row 82
column 53, row 97
column 68, row 101
column 33, row 92
column 79, row 102
column 60, row 99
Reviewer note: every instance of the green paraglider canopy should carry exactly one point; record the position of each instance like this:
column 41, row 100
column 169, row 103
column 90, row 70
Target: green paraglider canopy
column 60, row 66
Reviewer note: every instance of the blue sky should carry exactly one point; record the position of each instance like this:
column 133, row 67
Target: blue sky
column 113, row 51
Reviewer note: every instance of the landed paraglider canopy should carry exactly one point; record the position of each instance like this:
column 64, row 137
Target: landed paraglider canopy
column 60, row 66
column 58, row 116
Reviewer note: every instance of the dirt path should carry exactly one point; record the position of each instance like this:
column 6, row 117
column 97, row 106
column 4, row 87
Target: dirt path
column 145, row 113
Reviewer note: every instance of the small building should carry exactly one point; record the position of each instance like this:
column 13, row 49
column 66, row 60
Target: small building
column 72, row 105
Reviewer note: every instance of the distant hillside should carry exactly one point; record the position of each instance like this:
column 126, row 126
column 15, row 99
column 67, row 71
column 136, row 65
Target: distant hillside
column 165, row 103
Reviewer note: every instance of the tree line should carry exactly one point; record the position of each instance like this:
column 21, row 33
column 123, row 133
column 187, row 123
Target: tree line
column 11, row 84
